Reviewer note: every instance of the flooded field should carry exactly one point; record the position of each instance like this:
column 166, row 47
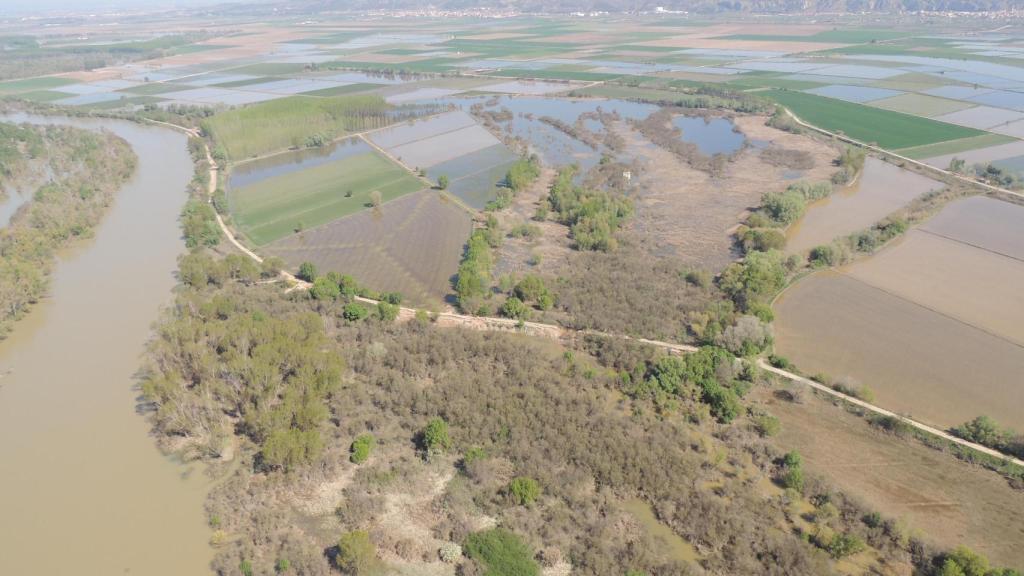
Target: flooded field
column 555, row 147
column 711, row 135
column 253, row 171
column 982, row 222
column 411, row 245
column 976, row 287
column 881, row 189
column 80, row 472
column 934, row 323
column 917, row 361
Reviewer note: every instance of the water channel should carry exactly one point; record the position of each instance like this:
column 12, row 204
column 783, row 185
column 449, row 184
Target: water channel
column 84, row 489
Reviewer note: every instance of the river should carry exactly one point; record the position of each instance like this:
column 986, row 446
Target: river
column 83, row 488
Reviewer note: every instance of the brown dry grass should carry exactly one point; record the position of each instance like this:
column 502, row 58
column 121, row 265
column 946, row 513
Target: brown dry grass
column 685, row 212
column 951, row 501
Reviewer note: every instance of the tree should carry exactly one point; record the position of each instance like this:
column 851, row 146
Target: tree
column 324, row 289
column 747, row 337
column 524, row 490
column 784, row 207
column 375, row 198
column 756, row 279
column 356, row 554
column 442, row 182
column 361, row 447
column 354, row 312
column 307, row 271
column 434, row 438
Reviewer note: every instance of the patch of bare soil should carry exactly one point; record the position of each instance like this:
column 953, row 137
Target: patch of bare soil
column 687, row 213
column 549, row 251
column 953, row 502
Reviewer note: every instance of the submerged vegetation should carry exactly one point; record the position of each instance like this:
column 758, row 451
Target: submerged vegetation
column 90, row 168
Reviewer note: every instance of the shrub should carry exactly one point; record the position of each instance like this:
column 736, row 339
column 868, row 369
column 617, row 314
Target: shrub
column 392, row 298
column 755, row 280
column 307, row 271
column 766, row 425
column 450, row 552
column 387, row 312
column 324, row 289
column 435, row 437
column 361, row 447
column 762, row 239
column 524, row 490
column 523, row 173
column 501, row 552
column 823, row 256
column 843, row 545
column 354, row 312
column 515, row 308
column 356, row 554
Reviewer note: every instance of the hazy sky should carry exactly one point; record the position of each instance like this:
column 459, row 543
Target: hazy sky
column 8, row 7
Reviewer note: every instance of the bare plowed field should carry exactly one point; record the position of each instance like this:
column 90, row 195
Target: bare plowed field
column 411, row 245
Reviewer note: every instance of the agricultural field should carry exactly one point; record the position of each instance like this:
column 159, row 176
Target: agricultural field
column 281, row 205
column 279, row 124
column 948, row 501
column 931, row 323
column 411, row 245
column 888, row 129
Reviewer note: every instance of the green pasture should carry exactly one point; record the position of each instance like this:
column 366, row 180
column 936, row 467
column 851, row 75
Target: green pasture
column 892, row 130
column 287, row 122
column 27, row 84
column 281, row 205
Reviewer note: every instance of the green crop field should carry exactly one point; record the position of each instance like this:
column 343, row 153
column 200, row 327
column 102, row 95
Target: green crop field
column 27, row 84
column 276, row 207
column 287, row 122
column 888, row 129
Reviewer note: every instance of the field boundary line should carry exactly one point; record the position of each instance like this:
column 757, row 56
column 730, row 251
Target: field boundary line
column 883, row 412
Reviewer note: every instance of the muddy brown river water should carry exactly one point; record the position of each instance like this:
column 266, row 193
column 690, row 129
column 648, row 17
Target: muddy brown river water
column 83, row 488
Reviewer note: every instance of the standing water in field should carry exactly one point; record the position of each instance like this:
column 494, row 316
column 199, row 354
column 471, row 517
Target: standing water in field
column 711, row 135
column 85, row 490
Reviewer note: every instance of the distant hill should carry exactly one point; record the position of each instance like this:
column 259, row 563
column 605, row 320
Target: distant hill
column 697, row 6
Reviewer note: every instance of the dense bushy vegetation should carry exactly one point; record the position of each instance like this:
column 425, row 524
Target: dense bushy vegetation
column 987, row 432
column 593, row 215
column 547, row 449
column 474, row 277
column 523, row 173
column 850, row 162
column 88, row 169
